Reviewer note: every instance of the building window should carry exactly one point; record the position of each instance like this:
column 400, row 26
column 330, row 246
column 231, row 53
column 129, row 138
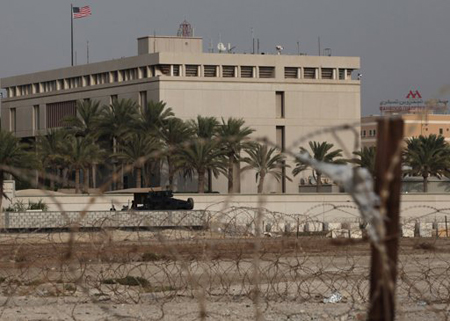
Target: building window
column 115, row 76
column 143, row 72
column 37, row 88
column 280, row 136
column 363, row 133
column 36, row 117
column 247, row 71
column 266, row 72
column 280, row 104
column 441, row 131
column 192, row 70
column 327, row 73
column 341, row 74
column 309, row 73
column 349, row 73
column 12, row 120
column 209, row 71
column 142, row 98
column 176, row 70
column 56, row 112
column 163, row 70
column 113, row 99
column 290, row 72
column 228, row 71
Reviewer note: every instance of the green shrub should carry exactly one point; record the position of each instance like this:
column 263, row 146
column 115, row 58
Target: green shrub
column 151, row 256
column 40, row 205
column 128, row 280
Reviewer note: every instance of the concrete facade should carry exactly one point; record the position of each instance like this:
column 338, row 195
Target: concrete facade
column 293, row 95
column 415, row 125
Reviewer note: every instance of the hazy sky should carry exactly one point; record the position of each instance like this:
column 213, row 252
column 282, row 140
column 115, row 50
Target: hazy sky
column 403, row 44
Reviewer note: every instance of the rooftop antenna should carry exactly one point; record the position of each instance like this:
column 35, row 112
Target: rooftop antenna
column 185, row 30
column 211, row 48
column 87, row 51
column 253, row 40
column 230, row 49
column 327, row 52
column 298, row 47
column 257, row 45
column 318, row 42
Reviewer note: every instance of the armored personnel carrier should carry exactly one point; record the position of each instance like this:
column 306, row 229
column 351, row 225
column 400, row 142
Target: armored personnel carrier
column 160, row 200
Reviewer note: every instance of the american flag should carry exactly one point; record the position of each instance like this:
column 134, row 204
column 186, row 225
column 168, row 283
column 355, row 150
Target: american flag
column 81, row 12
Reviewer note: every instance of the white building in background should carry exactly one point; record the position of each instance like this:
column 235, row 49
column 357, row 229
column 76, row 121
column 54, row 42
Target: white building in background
column 283, row 97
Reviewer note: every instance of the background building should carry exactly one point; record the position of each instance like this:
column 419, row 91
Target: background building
column 421, row 117
column 283, row 97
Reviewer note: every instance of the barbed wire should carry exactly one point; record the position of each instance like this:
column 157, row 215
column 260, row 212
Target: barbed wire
column 233, row 262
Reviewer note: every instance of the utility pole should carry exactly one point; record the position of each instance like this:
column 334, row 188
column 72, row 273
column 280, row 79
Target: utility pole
column 388, row 175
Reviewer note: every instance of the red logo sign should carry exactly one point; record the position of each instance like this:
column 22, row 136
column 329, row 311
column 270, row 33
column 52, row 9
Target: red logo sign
column 414, row 95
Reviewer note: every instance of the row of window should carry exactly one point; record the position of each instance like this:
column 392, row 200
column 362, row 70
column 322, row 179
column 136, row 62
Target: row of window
column 372, row 133
column 225, row 71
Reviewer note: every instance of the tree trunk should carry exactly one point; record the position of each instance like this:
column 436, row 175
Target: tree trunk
column 230, row 174
column 209, row 180
column 121, row 181
column 261, row 183
column 201, row 181
column 86, row 176
column 138, row 177
column 77, row 180
column 319, row 182
column 237, row 177
column 1, row 191
column 425, row 184
column 52, row 179
column 94, row 176
column 171, row 173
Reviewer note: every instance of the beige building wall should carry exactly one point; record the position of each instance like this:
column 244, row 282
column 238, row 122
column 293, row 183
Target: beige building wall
column 415, row 125
column 318, row 92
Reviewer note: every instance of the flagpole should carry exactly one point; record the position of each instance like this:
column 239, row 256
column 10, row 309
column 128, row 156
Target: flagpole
column 71, row 31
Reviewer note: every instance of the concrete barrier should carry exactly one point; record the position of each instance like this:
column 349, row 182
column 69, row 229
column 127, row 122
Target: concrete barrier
column 102, row 219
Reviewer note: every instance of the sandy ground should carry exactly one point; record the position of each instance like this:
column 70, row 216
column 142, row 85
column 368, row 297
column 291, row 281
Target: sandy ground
column 295, row 275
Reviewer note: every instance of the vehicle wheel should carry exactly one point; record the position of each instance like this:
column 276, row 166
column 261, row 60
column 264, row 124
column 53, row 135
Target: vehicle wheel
column 190, row 203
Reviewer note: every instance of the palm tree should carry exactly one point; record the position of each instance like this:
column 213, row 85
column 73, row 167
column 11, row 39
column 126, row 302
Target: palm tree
column 117, row 122
column 265, row 162
column 139, row 150
column 234, row 137
column 366, row 158
column 321, row 152
column 205, row 128
column 427, row 156
column 174, row 134
column 48, row 151
column 78, row 153
column 86, row 123
column 154, row 116
column 13, row 157
column 87, row 120
column 202, row 156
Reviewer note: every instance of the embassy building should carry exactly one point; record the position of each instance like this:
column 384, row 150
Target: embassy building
column 282, row 97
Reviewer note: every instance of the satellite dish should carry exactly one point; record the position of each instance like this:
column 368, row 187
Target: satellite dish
column 279, row 49
column 221, row 47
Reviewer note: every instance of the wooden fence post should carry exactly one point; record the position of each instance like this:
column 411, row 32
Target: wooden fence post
column 388, row 176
